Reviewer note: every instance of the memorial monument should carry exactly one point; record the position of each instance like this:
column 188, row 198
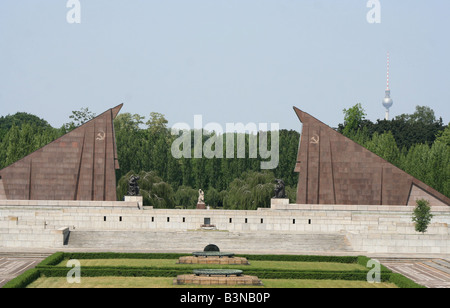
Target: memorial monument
column 201, row 200
column 77, row 166
column 133, row 186
column 334, row 169
column 280, row 191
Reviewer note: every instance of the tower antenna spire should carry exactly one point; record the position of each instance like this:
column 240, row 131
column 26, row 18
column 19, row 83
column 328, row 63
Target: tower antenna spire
column 387, row 101
column 387, row 76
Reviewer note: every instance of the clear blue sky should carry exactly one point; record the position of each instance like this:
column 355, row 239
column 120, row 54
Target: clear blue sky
column 228, row 60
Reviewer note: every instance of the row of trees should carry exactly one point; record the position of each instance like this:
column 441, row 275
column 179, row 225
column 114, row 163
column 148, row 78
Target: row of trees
column 149, row 148
column 23, row 133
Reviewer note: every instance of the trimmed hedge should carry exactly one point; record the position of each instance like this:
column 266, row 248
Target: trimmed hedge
column 302, row 258
column 53, row 259
column 24, row 279
column 114, row 271
column 120, row 255
column 363, row 260
column 403, row 282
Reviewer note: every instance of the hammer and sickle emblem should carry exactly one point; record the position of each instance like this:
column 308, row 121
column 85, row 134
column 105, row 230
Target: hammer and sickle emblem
column 315, row 139
column 101, row 135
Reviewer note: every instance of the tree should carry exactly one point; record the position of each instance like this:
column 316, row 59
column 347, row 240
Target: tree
column 158, row 143
column 19, row 119
column 423, row 114
column 384, row 145
column 186, row 196
column 157, row 122
column 213, row 197
column 421, row 215
column 353, row 118
column 444, row 136
column 250, row 191
column 416, row 161
column 407, row 129
column 13, row 150
column 154, row 190
column 79, row 117
column 131, row 143
column 128, row 122
column 288, row 147
column 438, row 175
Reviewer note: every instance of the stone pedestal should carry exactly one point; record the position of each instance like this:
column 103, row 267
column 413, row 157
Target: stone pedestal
column 217, row 280
column 279, row 202
column 138, row 199
column 201, row 206
column 213, row 260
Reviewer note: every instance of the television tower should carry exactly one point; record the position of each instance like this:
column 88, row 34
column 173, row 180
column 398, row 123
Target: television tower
column 387, row 101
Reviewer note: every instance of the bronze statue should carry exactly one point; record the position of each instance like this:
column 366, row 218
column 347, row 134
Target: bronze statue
column 133, row 187
column 279, row 189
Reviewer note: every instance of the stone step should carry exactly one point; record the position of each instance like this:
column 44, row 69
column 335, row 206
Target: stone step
column 22, row 254
column 399, row 260
column 438, row 266
column 196, row 240
column 442, row 262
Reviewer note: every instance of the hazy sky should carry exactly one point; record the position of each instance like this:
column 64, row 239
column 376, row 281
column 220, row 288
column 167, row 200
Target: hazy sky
column 228, row 60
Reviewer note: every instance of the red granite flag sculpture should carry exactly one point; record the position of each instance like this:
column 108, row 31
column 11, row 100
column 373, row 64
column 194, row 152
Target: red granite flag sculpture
column 336, row 170
column 77, row 166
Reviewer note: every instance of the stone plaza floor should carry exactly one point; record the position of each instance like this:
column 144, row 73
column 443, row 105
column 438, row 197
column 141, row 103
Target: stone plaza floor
column 432, row 273
column 14, row 264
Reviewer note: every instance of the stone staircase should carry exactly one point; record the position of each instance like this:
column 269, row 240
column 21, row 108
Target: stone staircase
column 189, row 241
column 24, row 254
column 439, row 264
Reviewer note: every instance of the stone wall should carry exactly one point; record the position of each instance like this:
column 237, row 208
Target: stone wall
column 373, row 229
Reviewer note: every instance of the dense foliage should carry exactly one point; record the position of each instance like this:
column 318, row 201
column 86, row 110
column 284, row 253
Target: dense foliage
column 145, row 149
column 422, row 216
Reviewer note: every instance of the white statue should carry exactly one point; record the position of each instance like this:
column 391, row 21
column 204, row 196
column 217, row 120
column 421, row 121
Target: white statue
column 201, row 196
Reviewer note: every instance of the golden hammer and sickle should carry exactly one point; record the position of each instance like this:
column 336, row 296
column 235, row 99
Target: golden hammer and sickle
column 315, row 139
column 101, row 135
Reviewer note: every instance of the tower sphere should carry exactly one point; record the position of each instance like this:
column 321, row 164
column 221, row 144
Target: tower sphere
column 387, row 101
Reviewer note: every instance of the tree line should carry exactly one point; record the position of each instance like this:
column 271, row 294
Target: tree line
column 418, row 143
column 146, row 147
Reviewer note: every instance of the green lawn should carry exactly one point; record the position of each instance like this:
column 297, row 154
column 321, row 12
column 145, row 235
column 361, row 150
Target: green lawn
column 164, row 282
column 164, row 263
column 167, row 282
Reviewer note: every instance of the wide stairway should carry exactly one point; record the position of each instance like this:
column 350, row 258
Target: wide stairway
column 189, row 241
